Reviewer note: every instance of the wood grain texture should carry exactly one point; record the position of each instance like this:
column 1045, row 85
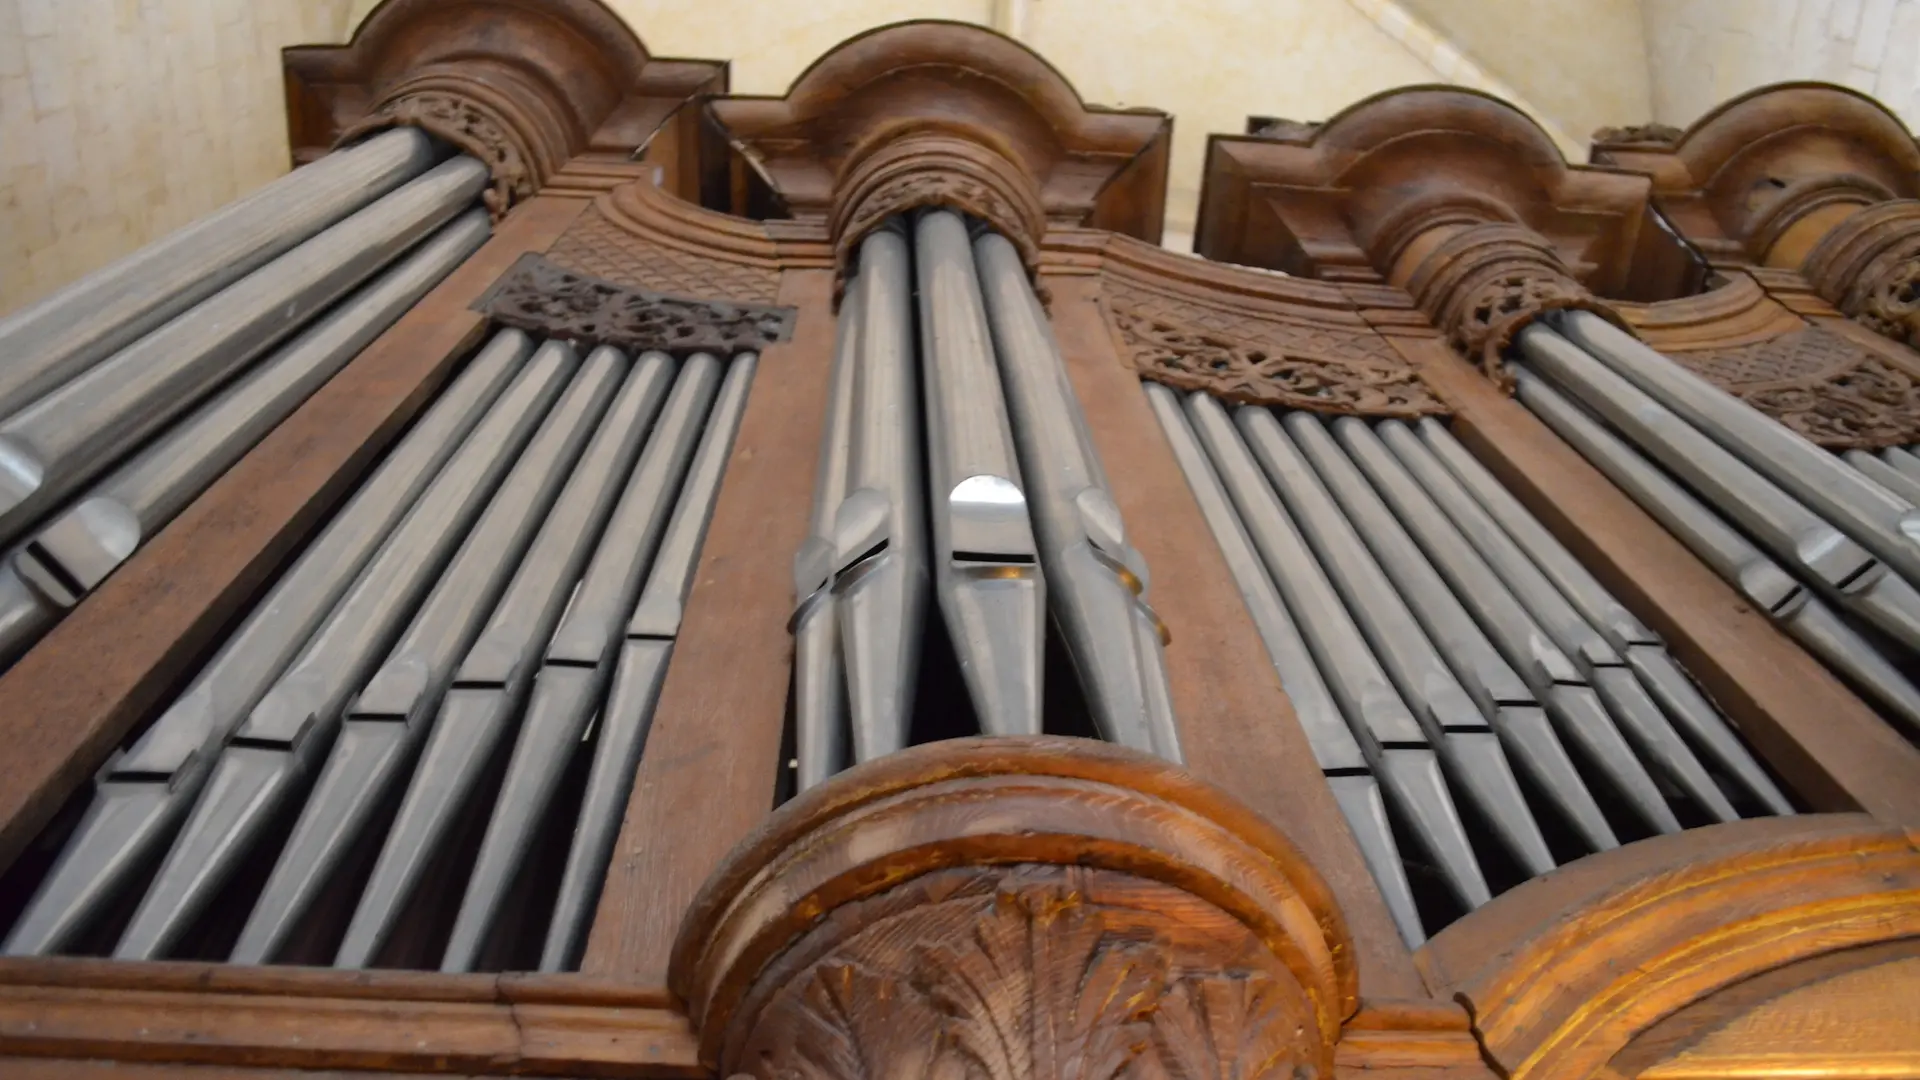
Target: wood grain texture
column 255, row 1029
column 1564, row 971
column 1236, row 725
column 70, row 700
column 1830, row 747
column 713, row 756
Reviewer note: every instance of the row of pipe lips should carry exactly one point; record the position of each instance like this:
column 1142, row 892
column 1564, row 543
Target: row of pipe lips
column 502, row 593
column 1022, row 522
column 126, row 394
column 1442, row 648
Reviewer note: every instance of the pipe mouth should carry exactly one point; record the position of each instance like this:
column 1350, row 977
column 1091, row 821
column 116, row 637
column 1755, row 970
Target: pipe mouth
column 70, row 557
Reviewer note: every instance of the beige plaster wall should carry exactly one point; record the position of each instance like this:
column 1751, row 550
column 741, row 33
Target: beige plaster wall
column 1702, row 52
column 1581, row 63
column 121, row 120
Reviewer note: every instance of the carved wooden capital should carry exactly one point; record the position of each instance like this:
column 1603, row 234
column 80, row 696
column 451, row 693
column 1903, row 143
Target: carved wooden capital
column 523, row 85
column 932, row 168
column 1482, row 284
column 1868, row 266
column 1012, row 909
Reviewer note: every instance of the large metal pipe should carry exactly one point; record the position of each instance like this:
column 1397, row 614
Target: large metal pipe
column 51, row 341
column 387, row 719
column 580, row 658
column 144, row 792
column 1881, row 522
column 493, row 681
column 640, row 673
column 65, row 438
column 1354, row 786
column 1096, row 580
column 1736, row 559
column 985, row 565
column 79, row 547
column 880, row 573
column 269, row 756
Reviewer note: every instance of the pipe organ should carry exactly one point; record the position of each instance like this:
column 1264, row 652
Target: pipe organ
column 593, row 575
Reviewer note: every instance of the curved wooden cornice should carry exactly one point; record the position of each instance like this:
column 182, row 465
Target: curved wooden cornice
column 1762, row 177
column 943, row 112
column 1013, row 906
column 1346, row 200
column 1564, row 971
column 524, row 85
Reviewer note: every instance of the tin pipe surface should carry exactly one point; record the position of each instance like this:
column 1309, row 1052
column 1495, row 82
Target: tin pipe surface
column 491, row 686
column 1096, row 581
column 55, row 339
column 64, row 439
column 145, row 791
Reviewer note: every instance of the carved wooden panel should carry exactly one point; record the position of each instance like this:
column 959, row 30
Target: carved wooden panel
column 1820, row 385
column 1035, row 972
column 596, row 245
column 1255, row 338
column 542, row 298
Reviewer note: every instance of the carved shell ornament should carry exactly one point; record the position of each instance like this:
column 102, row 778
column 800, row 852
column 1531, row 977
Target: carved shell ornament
column 1040, row 986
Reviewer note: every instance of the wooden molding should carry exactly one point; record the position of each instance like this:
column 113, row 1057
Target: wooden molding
column 1562, row 972
column 1016, row 903
column 523, row 85
column 923, row 112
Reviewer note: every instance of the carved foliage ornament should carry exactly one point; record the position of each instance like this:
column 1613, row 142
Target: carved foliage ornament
column 1821, row 385
column 1869, row 267
column 465, row 123
column 541, row 298
column 1036, row 985
column 1263, row 360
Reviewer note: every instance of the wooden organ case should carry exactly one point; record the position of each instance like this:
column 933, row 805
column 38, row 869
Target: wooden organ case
column 1466, row 736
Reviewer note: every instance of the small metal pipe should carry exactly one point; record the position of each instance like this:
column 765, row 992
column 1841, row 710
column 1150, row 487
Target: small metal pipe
column 386, row 721
column 64, row 439
column 639, row 675
column 57, row 338
column 1454, row 726
column 269, row 756
column 985, row 564
column 1724, row 549
column 1640, row 647
column 821, row 735
column 579, row 660
column 145, row 791
column 79, row 547
column 1553, row 677
column 1639, row 719
column 1878, row 470
column 493, row 681
column 1396, row 747
column 1096, row 580
column 1882, row 523
column 1355, row 789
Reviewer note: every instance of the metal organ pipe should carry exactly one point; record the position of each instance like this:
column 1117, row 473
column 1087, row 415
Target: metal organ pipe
column 61, row 336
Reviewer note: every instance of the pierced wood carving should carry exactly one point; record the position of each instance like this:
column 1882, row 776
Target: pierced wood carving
column 1820, row 385
column 472, row 127
column 1869, row 267
column 541, row 298
column 1239, row 356
column 1482, row 284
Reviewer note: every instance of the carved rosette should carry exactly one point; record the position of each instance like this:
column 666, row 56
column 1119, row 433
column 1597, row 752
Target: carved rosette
column 934, row 168
column 1482, row 284
column 1869, row 268
column 1016, row 909
column 484, row 110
